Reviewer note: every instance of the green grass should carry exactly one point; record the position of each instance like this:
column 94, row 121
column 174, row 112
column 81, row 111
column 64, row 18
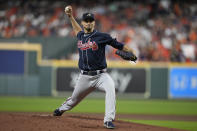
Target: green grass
column 185, row 125
column 174, row 107
column 48, row 104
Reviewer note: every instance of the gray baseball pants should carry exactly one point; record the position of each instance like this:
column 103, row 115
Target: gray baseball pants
column 86, row 84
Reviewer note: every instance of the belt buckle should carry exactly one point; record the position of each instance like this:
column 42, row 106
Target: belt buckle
column 89, row 73
column 92, row 73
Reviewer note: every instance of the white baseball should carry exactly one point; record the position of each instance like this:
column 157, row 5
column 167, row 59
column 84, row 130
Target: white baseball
column 67, row 9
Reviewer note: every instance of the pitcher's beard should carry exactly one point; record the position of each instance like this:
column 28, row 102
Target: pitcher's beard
column 88, row 29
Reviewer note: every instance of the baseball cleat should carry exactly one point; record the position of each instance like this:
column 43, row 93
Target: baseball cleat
column 57, row 112
column 109, row 125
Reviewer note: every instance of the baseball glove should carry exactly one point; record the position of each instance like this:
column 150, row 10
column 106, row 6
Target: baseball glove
column 129, row 56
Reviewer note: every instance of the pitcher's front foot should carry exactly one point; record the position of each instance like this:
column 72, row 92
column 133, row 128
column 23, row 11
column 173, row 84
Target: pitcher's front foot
column 57, row 112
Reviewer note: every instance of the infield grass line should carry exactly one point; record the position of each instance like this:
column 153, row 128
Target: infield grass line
column 184, row 125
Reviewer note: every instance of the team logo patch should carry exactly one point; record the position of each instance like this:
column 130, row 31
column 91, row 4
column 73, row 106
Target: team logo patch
column 87, row 45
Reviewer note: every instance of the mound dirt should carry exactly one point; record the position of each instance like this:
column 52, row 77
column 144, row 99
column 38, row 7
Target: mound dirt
column 10, row 121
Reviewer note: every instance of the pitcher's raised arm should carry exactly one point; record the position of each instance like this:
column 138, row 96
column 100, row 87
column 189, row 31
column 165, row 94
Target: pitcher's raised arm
column 75, row 25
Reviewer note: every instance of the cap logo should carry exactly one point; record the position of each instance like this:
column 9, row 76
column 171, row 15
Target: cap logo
column 89, row 15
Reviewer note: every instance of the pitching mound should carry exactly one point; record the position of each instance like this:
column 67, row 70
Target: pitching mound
column 67, row 122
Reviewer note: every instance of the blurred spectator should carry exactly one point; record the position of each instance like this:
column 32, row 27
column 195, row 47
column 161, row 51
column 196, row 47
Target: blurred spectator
column 158, row 30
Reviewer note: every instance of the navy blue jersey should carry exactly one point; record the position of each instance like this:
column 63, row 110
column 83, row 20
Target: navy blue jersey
column 92, row 49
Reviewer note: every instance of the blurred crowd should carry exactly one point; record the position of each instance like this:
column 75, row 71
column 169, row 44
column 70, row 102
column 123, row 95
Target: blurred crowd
column 158, row 30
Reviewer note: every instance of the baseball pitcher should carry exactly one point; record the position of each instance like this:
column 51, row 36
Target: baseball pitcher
column 92, row 63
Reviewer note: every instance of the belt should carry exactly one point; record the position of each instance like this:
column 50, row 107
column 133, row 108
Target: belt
column 93, row 73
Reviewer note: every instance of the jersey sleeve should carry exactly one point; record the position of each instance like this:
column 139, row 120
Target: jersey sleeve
column 113, row 42
column 79, row 34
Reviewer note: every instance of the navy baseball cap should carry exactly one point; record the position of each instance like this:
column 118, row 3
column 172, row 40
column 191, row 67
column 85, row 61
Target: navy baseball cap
column 88, row 17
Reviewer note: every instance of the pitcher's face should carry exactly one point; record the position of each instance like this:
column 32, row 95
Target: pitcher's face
column 88, row 25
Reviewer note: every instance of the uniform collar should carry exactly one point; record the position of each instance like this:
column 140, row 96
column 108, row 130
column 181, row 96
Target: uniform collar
column 87, row 34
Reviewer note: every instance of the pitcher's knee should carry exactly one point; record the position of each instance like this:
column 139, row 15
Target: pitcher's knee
column 110, row 88
column 110, row 91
